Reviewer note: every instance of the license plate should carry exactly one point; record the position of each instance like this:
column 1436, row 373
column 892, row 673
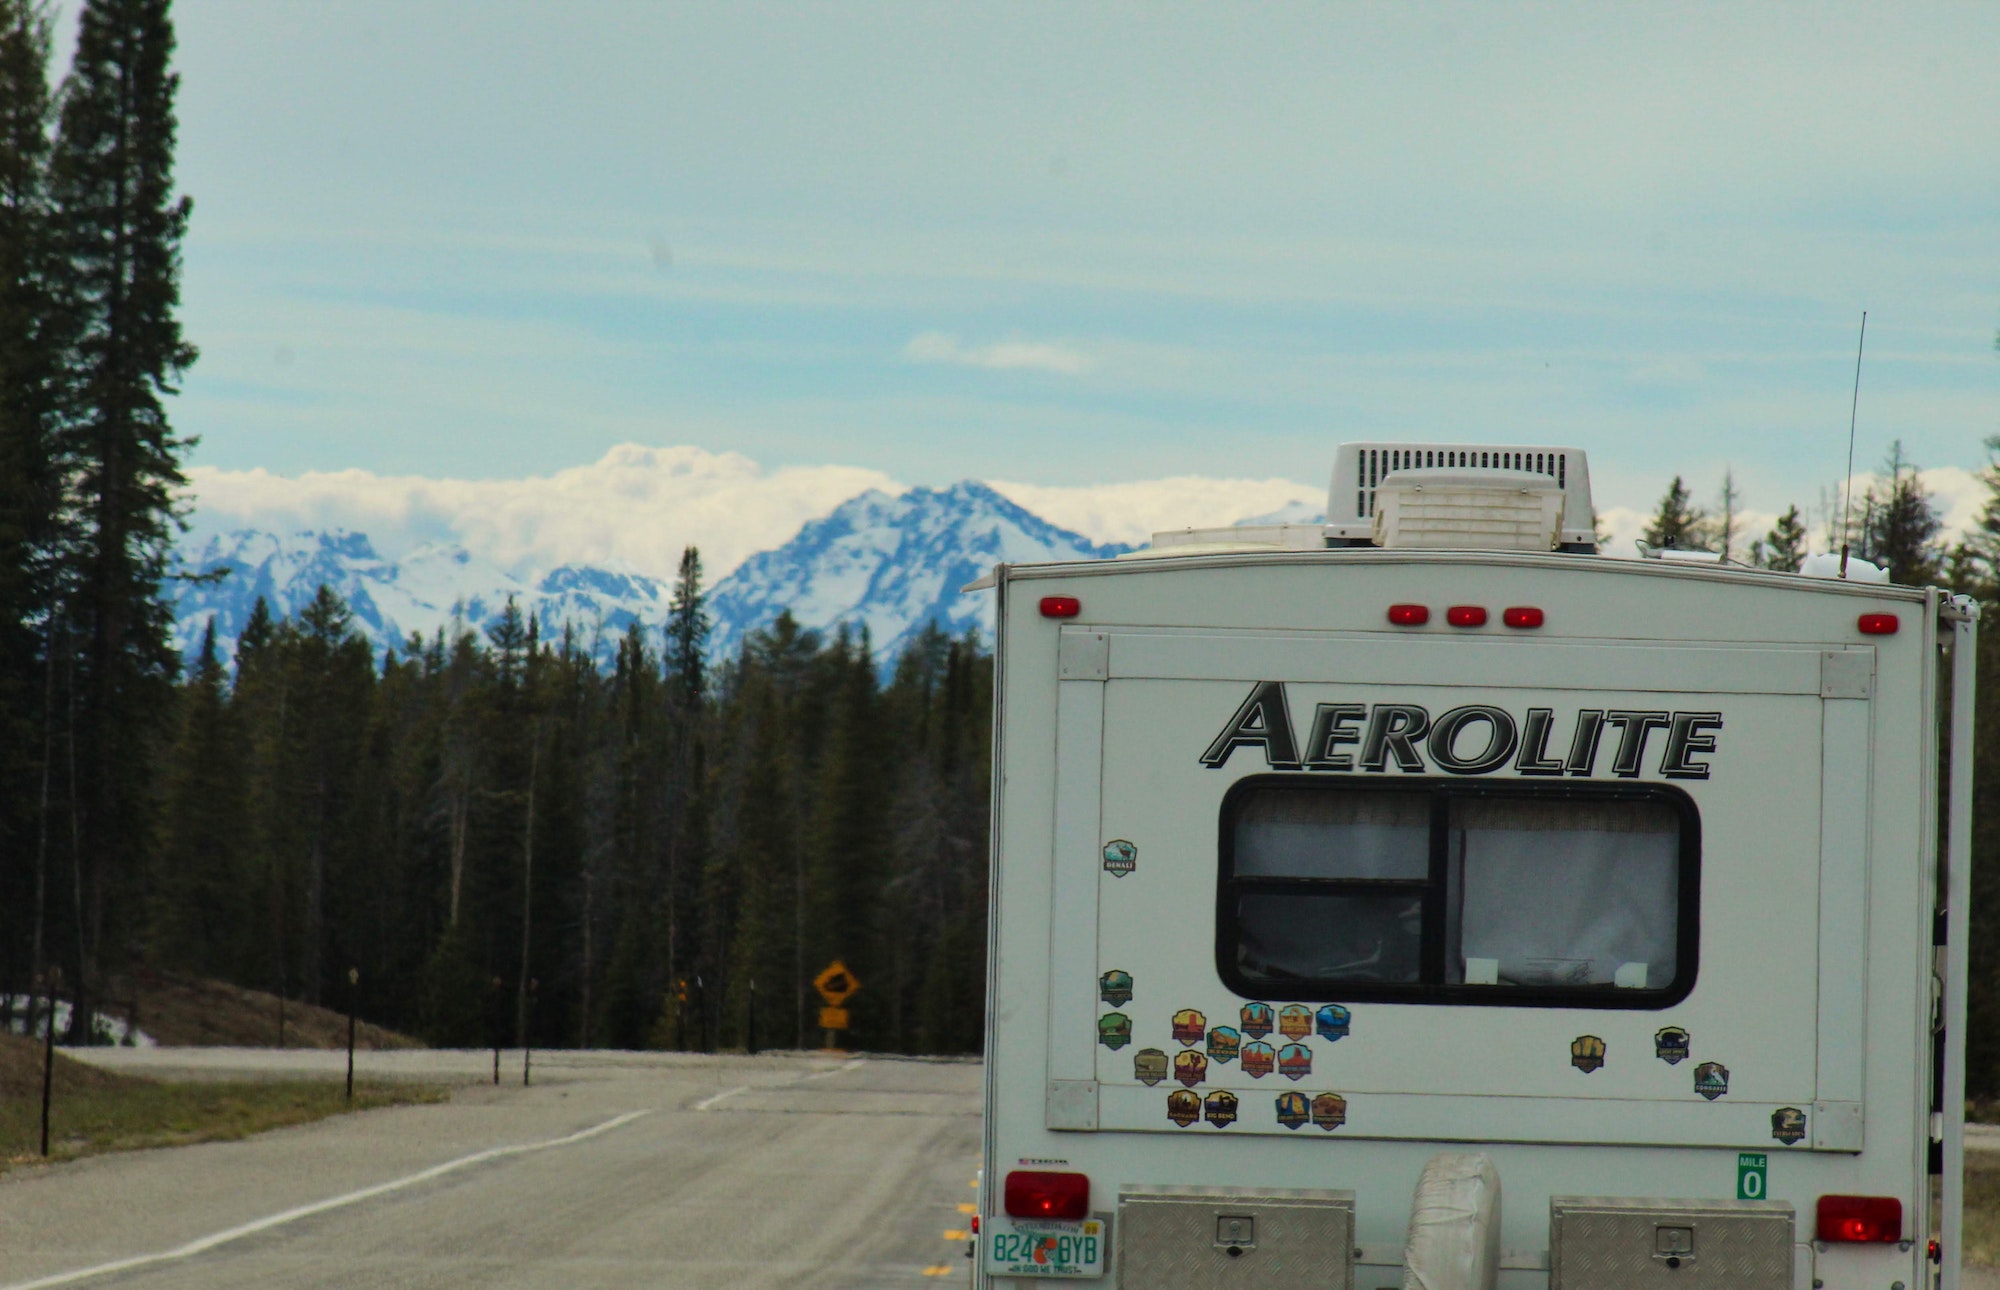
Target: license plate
column 1020, row 1247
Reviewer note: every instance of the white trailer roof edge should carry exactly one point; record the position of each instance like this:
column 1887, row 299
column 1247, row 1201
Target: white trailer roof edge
column 1686, row 571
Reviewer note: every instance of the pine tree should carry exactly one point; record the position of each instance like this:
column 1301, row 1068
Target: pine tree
column 30, row 476
column 1901, row 528
column 1728, row 517
column 1784, row 547
column 687, row 630
column 111, row 182
column 1679, row 523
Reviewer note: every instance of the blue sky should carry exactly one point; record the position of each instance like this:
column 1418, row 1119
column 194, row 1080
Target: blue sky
column 1075, row 246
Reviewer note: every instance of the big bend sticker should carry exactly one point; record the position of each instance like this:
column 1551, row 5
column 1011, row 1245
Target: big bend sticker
column 1474, row 739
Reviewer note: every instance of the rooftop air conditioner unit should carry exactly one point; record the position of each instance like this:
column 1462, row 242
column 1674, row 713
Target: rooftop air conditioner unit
column 1461, row 497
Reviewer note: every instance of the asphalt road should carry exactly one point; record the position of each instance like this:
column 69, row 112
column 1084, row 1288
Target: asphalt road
column 614, row 1170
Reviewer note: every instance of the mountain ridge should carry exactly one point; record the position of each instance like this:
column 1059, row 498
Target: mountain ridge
column 887, row 564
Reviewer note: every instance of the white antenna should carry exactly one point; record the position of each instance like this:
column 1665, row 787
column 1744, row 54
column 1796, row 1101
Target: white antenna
column 1847, row 484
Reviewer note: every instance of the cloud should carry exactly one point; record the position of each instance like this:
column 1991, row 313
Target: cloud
column 1005, row 356
column 634, row 508
column 637, row 507
column 1133, row 512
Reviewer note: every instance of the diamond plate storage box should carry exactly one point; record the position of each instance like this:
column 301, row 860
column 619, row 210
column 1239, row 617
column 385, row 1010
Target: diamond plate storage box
column 1208, row 1238
column 1628, row 1242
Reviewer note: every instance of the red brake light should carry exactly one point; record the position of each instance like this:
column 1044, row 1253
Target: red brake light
column 1038, row 1193
column 1409, row 615
column 1855, row 1219
column 1878, row 624
column 1061, row 606
column 1465, row 616
column 1522, row 616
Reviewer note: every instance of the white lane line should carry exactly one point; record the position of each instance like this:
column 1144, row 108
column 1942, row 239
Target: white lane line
column 203, row 1244
column 710, row 1101
column 856, row 1064
column 713, row 1100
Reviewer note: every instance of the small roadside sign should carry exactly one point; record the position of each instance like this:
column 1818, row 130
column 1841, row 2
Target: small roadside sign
column 833, row 1018
column 1752, row 1175
column 835, row 983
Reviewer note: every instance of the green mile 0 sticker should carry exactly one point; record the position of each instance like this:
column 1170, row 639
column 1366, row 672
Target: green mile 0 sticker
column 1752, row 1172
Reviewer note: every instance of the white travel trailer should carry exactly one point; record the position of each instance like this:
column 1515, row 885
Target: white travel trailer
column 1425, row 895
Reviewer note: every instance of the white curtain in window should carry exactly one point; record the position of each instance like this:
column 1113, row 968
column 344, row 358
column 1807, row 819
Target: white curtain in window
column 1566, row 893
column 1313, row 833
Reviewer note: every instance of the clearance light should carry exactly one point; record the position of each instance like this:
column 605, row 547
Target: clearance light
column 1037, row 1193
column 1522, row 616
column 1465, row 616
column 1878, row 624
column 1853, row 1220
column 1409, row 615
column 1061, row 606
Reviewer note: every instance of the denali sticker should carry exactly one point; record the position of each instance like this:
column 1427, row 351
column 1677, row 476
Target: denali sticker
column 1476, row 739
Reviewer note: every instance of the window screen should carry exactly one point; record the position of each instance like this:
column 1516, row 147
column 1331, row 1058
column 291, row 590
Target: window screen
column 1529, row 895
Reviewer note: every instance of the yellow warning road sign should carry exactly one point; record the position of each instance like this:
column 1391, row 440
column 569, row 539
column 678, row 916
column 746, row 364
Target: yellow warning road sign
column 835, row 983
column 833, row 1018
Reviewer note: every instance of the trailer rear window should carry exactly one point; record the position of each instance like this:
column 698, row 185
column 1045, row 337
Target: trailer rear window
column 1446, row 892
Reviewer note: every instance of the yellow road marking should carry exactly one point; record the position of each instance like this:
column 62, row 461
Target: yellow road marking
column 951, row 1235
column 968, row 1209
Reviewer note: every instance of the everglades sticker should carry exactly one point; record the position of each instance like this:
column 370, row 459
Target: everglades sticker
column 1331, row 1022
column 1293, row 1110
column 1149, row 1066
column 1295, row 1061
column 1788, row 1124
column 1295, row 1021
column 1183, row 1107
column 1586, row 1053
column 1220, row 1109
column 1259, row 1060
column 1120, row 857
column 1189, row 1027
column 1329, row 1111
column 1711, row 1080
column 1257, row 1019
column 1115, row 987
column 1223, row 1043
column 1114, row 1030
column 1190, row 1068
column 1670, row 1045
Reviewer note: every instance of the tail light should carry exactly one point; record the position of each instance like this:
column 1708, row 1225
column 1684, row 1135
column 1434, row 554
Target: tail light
column 1061, row 606
column 1039, row 1193
column 1409, row 615
column 1854, row 1220
column 1465, row 616
column 1522, row 616
column 1877, row 624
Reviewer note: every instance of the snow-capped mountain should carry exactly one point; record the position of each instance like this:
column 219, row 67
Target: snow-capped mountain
column 390, row 599
column 892, row 564
column 889, row 563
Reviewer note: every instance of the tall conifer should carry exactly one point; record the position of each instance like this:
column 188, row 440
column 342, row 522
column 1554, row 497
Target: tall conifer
column 112, row 185
column 30, row 493
column 1784, row 547
column 1679, row 523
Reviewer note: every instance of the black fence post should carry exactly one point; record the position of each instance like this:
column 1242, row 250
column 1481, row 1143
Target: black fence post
column 54, row 984
column 353, row 988
column 493, row 1028
column 750, row 1026
column 527, row 1036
